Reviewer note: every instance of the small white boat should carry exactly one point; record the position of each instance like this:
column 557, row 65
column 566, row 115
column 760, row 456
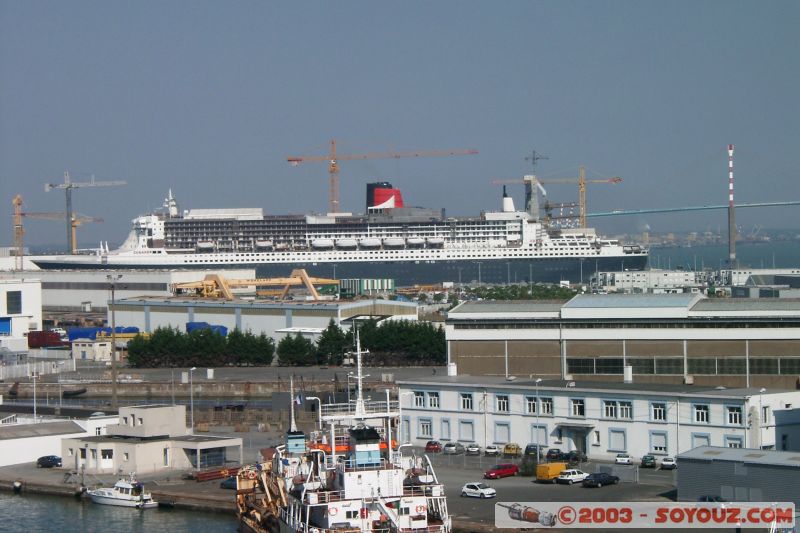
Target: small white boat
column 204, row 245
column 369, row 242
column 394, row 242
column 416, row 241
column 322, row 243
column 346, row 243
column 125, row 493
column 265, row 243
column 436, row 241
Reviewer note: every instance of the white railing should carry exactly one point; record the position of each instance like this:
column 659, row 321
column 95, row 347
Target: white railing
column 349, row 409
column 25, row 370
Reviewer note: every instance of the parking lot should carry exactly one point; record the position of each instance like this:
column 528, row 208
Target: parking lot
column 456, row 470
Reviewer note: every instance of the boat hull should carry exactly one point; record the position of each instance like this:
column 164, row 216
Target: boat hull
column 537, row 269
column 118, row 502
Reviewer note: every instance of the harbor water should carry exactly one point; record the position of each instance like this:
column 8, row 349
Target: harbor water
column 33, row 513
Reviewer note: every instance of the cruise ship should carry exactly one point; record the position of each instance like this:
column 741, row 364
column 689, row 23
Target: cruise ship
column 362, row 483
column 391, row 240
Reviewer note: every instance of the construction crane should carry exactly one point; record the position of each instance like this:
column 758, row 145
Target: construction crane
column 75, row 220
column 333, row 165
column 68, row 185
column 532, row 181
column 216, row 286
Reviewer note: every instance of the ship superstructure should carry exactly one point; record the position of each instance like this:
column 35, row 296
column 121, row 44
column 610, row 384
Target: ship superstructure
column 352, row 477
column 403, row 240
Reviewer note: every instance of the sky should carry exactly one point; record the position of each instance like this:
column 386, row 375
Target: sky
column 210, row 98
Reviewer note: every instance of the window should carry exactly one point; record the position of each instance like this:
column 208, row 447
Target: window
column 701, row 414
column 502, row 403
column 125, row 456
column 419, row 399
column 700, row 439
column 765, row 419
column 70, row 452
column 83, row 453
column 98, row 431
column 530, row 404
column 165, row 456
column 124, row 420
column 658, row 442
column 578, row 407
column 546, row 406
column 626, row 410
column 596, row 438
column 425, row 428
column 733, row 442
column 617, row 441
column 734, row 416
column 659, row 412
column 106, row 454
column 350, row 515
column 433, row 400
column 609, row 409
column 94, row 454
column 14, row 302
column 466, row 402
column 141, row 422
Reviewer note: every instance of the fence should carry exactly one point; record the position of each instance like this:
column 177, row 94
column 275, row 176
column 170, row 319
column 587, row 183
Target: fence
column 25, row 370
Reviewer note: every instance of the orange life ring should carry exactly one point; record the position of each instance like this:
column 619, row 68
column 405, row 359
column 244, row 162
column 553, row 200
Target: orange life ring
column 421, row 509
column 333, row 511
column 251, row 474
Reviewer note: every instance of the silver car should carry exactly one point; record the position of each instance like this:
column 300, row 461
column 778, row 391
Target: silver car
column 473, row 448
column 453, row 448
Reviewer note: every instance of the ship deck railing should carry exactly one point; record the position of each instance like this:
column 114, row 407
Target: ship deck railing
column 321, row 496
column 337, row 410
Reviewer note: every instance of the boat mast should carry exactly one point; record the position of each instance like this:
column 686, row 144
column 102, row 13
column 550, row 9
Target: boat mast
column 360, row 411
column 293, row 426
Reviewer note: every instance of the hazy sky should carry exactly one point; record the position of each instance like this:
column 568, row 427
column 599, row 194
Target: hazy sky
column 209, row 98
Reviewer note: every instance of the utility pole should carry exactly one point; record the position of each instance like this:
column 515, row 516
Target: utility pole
column 112, row 279
column 533, row 158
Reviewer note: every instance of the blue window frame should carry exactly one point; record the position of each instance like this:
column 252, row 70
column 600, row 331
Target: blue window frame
column 539, row 437
column 424, row 428
column 701, row 439
column 466, row 430
column 617, row 440
column 445, row 433
column 734, row 415
column 659, row 412
column 734, row 441
column 659, row 442
column 502, row 432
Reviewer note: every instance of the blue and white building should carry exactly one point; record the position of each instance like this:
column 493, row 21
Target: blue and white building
column 601, row 419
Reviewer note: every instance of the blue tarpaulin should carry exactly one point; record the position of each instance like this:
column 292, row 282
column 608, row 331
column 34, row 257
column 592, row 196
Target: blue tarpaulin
column 194, row 326
column 91, row 333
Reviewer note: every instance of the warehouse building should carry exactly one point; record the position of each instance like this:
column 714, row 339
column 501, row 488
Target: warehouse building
column 663, row 338
column 20, row 312
column 599, row 419
column 739, row 475
column 274, row 319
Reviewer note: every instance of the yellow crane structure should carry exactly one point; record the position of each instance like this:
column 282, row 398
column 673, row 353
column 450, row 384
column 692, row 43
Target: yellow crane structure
column 68, row 185
column 532, row 181
column 76, row 219
column 333, row 165
column 216, row 286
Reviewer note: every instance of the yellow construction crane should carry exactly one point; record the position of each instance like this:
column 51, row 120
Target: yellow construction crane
column 532, row 181
column 76, row 219
column 333, row 165
column 68, row 185
column 216, row 286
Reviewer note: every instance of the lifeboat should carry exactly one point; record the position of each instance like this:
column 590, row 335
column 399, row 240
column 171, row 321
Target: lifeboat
column 436, row 241
column 369, row 242
column 322, row 244
column 415, row 241
column 346, row 243
column 394, row 242
column 263, row 243
column 205, row 245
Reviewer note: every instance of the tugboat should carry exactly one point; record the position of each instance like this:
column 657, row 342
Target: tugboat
column 363, row 483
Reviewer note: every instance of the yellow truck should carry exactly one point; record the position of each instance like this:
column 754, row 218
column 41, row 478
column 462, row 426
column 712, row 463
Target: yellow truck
column 548, row 472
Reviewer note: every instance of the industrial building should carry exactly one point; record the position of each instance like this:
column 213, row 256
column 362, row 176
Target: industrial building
column 663, row 338
column 20, row 311
column 651, row 281
column 739, row 475
column 90, row 290
column 274, row 319
column 598, row 418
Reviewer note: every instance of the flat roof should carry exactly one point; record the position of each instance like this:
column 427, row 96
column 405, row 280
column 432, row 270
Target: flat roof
column 509, row 306
column 743, row 455
column 607, row 301
column 747, row 304
column 42, row 429
column 561, row 385
column 327, row 305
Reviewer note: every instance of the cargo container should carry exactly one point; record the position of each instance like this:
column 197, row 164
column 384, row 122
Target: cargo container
column 548, row 472
column 45, row 339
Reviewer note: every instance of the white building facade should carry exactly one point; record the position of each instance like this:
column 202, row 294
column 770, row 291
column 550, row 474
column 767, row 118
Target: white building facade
column 599, row 419
column 20, row 311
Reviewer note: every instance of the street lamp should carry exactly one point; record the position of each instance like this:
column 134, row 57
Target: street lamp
column 34, row 375
column 191, row 397
column 400, row 414
column 761, row 417
column 538, row 452
column 320, row 409
column 112, row 279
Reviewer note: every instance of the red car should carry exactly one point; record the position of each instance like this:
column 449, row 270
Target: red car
column 433, row 446
column 501, row 470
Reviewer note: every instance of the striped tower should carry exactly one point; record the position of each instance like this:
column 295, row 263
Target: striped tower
column 731, row 213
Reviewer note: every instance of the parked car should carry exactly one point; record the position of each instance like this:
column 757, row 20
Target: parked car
column 512, row 449
column 598, row 479
column 571, row 476
column 534, row 450
column 491, row 450
column 554, row 454
column 472, row 448
column 228, row 483
column 433, row 446
column 478, row 490
column 48, row 461
column 576, row 456
column 623, row 459
column 648, row 461
column 668, row 463
column 453, row 448
column 501, row 470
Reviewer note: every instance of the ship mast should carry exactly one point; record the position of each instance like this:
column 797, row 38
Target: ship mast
column 360, row 411
column 293, row 426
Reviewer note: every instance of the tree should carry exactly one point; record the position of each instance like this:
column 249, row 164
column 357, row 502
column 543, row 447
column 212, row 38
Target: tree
column 331, row 345
column 296, row 351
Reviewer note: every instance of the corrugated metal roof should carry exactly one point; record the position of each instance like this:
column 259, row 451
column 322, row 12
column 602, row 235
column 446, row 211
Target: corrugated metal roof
column 743, row 455
column 43, row 429
column 509, row 306
column 747, row 304
column 607, row 301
